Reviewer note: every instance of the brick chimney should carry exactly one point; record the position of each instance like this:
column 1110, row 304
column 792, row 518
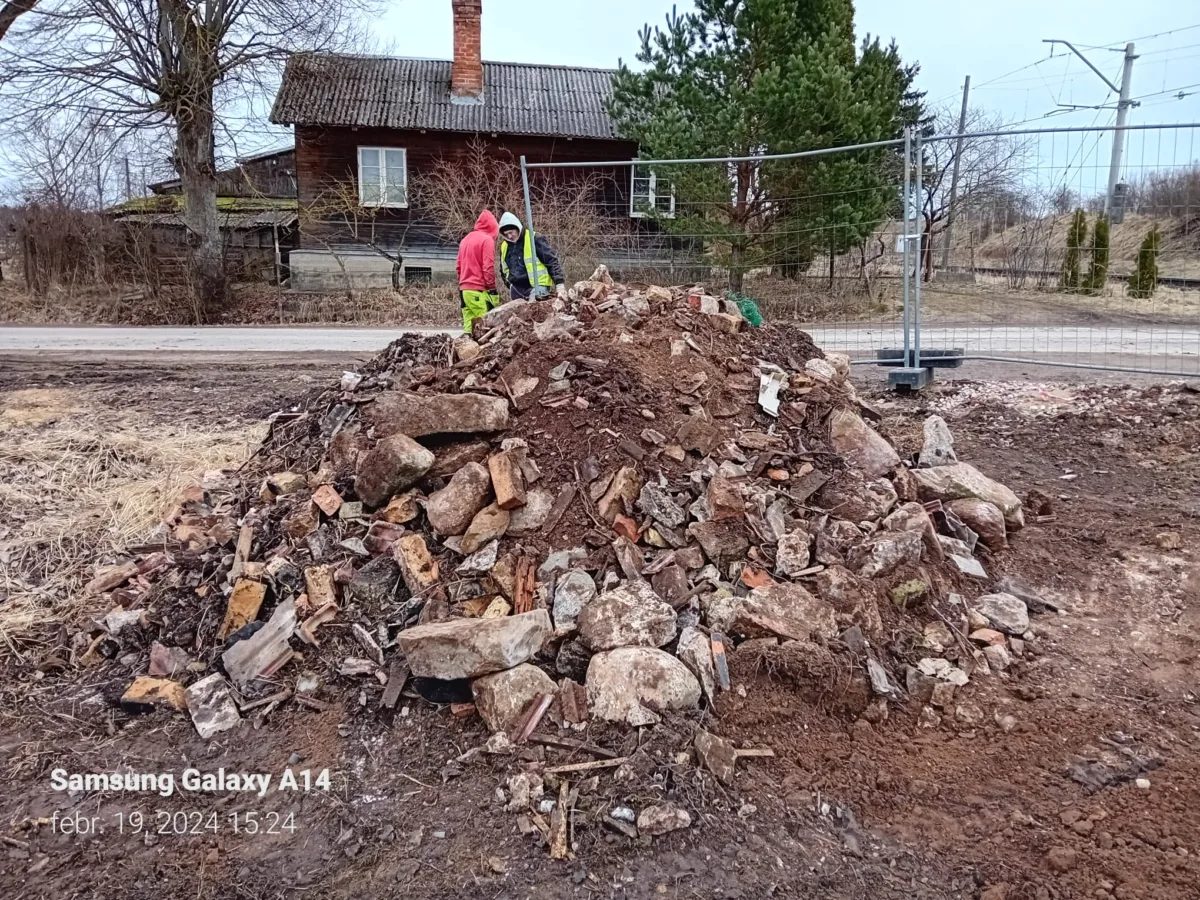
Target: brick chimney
column 466, row 73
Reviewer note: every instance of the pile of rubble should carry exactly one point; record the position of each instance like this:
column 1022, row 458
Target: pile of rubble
column 575, row 515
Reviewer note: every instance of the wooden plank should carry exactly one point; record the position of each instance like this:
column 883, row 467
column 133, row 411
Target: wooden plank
column 524, row 586
column 588, row 766
column 398, row 677
column 532, row 717
column 720, row 661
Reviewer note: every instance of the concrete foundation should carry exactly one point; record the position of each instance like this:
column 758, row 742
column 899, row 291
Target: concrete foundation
column 335, row 270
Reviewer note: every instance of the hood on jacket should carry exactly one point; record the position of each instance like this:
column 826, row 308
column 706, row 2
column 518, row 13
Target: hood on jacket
column 508, row 220
column 487, row 224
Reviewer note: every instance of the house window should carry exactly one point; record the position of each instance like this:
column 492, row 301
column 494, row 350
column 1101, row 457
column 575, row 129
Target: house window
column 418, row 275
column 651, row 195
column 382, row 176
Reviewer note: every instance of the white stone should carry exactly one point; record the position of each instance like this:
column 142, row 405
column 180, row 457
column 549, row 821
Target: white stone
column 633, row 684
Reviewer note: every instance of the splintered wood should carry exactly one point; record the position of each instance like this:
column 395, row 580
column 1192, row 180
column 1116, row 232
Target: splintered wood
column 524, row 586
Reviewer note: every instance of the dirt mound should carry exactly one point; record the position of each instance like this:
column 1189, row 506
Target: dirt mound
column 581, row 519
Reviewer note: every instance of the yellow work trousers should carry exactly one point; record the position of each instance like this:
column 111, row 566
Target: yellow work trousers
column 475, row 305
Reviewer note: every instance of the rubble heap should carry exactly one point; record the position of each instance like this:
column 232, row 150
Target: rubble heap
column 574, row 514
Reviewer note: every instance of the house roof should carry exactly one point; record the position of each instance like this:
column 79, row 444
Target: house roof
column 390, row 92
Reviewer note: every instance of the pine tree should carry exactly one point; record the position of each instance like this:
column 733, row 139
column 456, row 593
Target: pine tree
column 1097, row 277
column 1076, row 235
column 752, row 77
column 1144, row 281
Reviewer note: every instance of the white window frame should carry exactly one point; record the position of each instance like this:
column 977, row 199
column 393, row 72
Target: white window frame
column 651, row 209
column 383, row 179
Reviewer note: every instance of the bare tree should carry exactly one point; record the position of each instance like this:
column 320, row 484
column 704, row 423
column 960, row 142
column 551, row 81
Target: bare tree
column 13, row 10
column 147, row 63
column 988, row 172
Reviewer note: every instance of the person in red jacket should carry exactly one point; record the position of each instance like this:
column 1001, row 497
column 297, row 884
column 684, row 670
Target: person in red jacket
column 477, row 270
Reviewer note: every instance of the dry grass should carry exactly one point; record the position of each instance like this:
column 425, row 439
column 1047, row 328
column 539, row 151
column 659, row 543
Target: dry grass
column 75, row 489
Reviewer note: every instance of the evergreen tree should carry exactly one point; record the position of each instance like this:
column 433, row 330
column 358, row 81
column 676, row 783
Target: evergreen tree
column 1076, row 235
column 1097, row 277
column 753, row 77
column 1144, row 281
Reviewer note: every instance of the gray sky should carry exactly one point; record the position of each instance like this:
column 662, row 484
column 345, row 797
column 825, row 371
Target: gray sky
column 949, row 39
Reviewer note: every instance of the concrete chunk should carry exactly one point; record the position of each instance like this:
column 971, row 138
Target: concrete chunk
column 469, row 648
column 418, row 415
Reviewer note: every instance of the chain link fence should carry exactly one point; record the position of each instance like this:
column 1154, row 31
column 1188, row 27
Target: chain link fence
column 927, row 250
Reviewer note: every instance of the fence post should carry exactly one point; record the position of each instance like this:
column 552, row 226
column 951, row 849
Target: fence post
column 528, row 200
column 918, row 161
column 905, row 200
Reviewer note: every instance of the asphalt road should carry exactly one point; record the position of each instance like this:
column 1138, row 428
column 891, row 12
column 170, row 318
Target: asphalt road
column 1144, row 342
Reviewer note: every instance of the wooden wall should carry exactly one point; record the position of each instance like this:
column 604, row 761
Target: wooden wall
column 329, row 156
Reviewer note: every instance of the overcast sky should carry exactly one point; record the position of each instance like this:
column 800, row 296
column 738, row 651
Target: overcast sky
column 949, row 39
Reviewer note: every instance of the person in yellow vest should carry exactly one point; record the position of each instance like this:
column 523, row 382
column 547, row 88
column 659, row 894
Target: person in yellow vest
column 528, row 262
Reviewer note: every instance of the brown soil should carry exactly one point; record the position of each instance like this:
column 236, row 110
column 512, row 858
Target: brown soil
column 847, row 809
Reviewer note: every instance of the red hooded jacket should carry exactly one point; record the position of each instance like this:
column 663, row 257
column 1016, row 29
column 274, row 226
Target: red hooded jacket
column 477, row 255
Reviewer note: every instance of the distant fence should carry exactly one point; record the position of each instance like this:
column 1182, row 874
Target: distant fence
column 878, row 247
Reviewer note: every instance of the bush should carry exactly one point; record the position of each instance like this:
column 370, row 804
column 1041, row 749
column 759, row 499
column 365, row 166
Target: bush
column 1097, row 277
column 1076, row 235
column 1144, row 280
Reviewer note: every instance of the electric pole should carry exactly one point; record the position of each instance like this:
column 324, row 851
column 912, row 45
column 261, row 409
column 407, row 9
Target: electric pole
column 1123, row 106
column 128, row 182
column 962, row 127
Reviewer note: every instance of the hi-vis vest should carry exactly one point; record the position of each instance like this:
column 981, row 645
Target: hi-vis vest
column 538, row 275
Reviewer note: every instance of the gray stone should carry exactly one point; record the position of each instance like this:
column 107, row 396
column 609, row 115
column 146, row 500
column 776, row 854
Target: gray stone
column 1006, row 612
column 939, row 444
column 792, row 555
column 211, row 706
column 397, row 462
column 469, row 648
column 632, row 615
column 633, row 684
column 557, row 328
column 695, row 651
column 853, row 499
column 572, row 660
column 662, row 818
column 985, row 519
column 561, row 559
column 968, row 565
column 863, row 447
column 418, row 415
column 530, row 518
column 451, row 509
column 481, row 561
column 637, row 304
column 656, row 502
column 781, row 609
column 913, row 517
column 376, row 582
column 960, row 481
column 997, row 657
column 501, row 698
column 489, row 524
column 885, row 553
column 573, row 591
column 841, row 587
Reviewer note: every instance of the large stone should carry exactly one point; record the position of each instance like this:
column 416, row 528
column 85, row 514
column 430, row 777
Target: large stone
column 451, row 509
column 841, row 587
column 1006, row 612
column 623, row 488
column 960, row 481
column 939, row 444
column 695, row 651
column 852, row 498
column 862, row 446
column 631, row 615
column 573, row 591
column 662, row 818
column 656, row 502
column 717, row 755
column 453, row 457
column 469, row 648
column 633, row 684
column 792, row 556
column 722, row 543
column 912, row 517
column 375, row 583
column 489, row 524
column 530, row 518
column 885, row 553
column 501, row 698
column 397, row 462
column 725, row 501
column 985, row 519
column 777, row 610
column 418, row 415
